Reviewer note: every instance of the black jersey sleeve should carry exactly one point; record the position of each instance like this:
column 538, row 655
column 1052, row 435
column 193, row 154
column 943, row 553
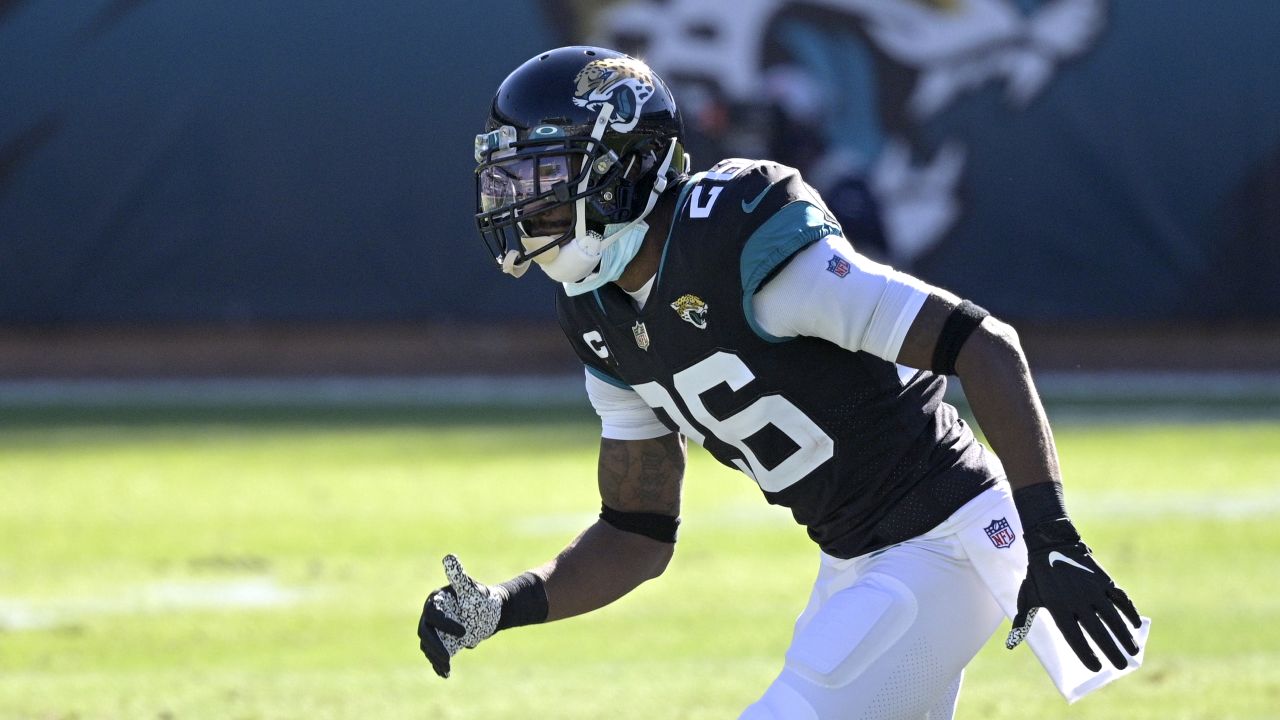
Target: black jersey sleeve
column 772, row 211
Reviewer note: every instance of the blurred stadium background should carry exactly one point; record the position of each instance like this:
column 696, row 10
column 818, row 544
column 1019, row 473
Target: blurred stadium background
column 224, row 225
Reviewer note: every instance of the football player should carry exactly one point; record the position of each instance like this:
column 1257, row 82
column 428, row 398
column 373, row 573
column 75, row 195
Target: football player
column 728, row 308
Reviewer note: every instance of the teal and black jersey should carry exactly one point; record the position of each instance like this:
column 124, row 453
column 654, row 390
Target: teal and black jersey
column 863, row 452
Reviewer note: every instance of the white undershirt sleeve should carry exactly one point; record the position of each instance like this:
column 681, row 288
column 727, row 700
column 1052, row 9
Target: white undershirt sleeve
column 856, row 304
column 623, row 413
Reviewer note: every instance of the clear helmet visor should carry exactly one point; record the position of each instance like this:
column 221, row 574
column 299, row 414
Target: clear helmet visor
column 523, row 187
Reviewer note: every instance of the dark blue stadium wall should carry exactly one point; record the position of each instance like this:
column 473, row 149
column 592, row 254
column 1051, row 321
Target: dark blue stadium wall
column 1143, row 184
column 182, row 161
column 178, row 160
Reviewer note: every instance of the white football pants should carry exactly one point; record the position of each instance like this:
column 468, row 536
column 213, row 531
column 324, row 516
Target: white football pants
column 886, row 635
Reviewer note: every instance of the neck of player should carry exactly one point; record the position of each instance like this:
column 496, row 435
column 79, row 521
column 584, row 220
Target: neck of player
column 645, row 263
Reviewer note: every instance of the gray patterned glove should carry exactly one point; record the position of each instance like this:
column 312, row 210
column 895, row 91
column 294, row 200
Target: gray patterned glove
column 458, row 615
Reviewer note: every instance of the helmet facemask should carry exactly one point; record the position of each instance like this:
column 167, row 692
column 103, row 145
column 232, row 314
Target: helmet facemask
column 527, row 190
column 549, row 197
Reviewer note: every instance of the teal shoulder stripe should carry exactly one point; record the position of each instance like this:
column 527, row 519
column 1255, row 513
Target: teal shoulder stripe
column 684, row 193
column 608, row 378
column 791, row 229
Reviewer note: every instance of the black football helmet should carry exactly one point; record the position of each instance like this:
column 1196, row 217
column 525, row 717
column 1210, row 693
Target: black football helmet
column 578, row 138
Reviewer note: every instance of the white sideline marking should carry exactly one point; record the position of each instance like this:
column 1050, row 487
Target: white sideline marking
column 1142, row 388
column 156, row 598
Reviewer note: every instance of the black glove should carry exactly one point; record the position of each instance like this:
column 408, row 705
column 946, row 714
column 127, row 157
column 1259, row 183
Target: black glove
column 1063, row 578
column 458, row 615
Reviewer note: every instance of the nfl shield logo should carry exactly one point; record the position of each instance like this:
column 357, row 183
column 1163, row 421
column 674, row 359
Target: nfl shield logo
column 642, row 335
column 1000, row 533
column 838, row 266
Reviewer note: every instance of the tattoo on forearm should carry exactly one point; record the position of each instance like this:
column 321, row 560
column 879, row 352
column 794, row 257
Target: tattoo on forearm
column 642, row 475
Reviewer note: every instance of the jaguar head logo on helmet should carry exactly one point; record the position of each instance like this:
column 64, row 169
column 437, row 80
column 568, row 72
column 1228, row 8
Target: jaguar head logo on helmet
column 625, row 82
column 579, row 145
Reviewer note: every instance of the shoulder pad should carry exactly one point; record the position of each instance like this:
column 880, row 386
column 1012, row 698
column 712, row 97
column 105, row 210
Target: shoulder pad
column 738, row 191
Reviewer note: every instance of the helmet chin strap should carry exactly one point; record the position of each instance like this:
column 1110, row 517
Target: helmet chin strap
column 511, row 267
column 659, row 186
column 580, row 206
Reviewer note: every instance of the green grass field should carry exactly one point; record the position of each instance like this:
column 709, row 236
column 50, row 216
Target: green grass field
column 237, row 566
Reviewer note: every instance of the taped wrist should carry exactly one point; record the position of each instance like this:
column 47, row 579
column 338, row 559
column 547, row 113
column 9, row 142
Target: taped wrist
column 525, row 601
column 655, row 526
column 960, row 324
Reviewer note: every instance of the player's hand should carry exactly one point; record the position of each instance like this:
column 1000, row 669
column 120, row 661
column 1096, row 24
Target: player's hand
column 458, row 615
column 1063, row 578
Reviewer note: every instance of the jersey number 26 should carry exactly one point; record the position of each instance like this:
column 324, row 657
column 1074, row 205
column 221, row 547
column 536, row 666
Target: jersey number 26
column 814, row 446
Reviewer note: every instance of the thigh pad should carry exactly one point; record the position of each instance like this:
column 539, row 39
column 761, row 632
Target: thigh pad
column 853, row 628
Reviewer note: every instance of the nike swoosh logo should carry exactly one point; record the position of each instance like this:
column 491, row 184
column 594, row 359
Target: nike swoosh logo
column 750, row 207
column 1056, row 556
